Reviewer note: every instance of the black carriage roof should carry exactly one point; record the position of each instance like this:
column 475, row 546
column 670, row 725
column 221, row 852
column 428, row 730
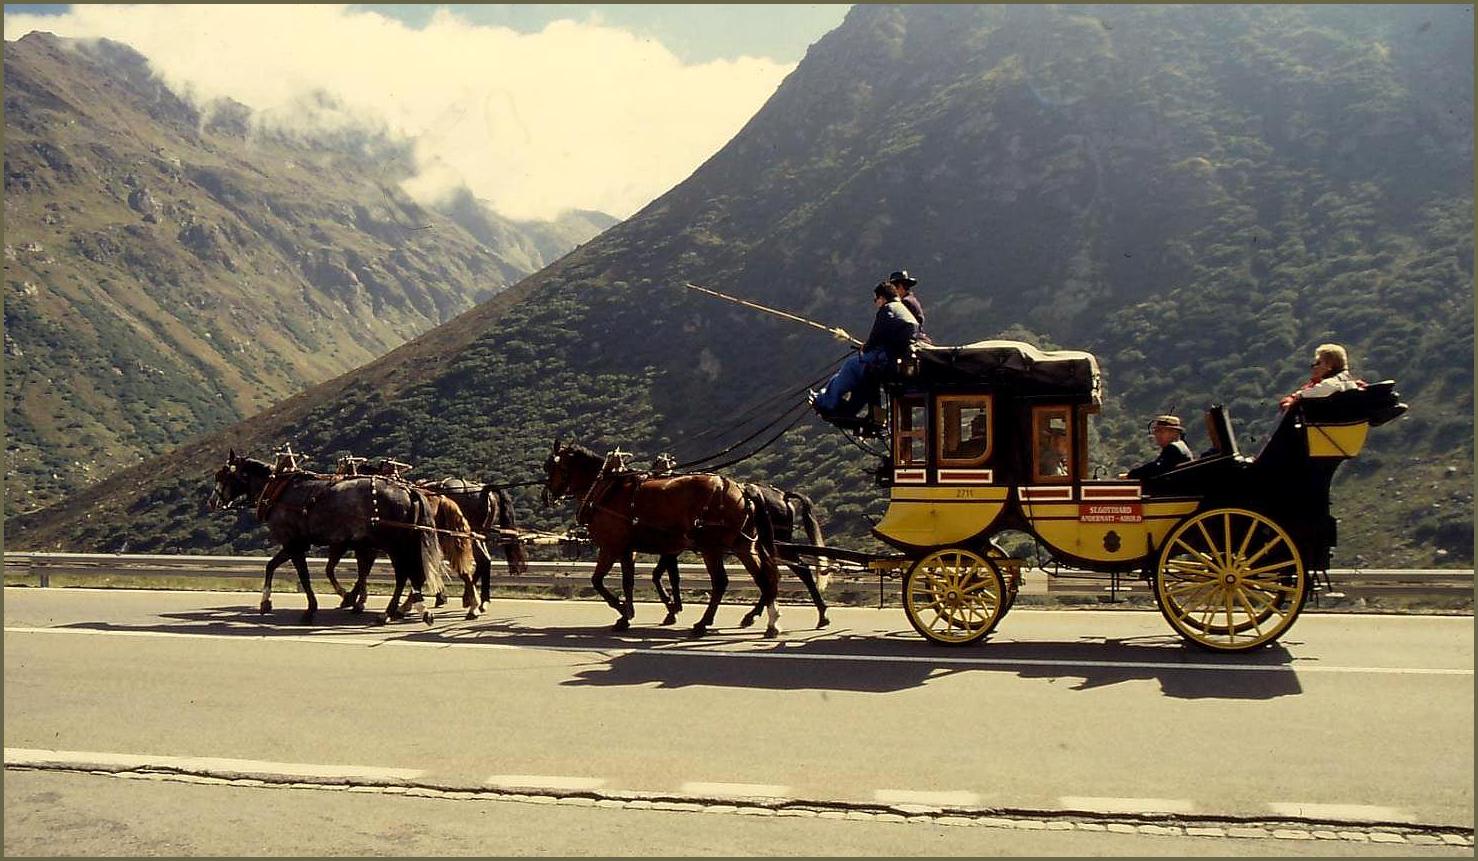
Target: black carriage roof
column 1016, row 364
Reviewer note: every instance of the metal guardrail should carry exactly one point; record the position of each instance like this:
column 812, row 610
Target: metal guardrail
column 1444, row 582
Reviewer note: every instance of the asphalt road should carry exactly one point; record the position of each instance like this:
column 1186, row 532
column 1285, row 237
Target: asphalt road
column 1351, row 727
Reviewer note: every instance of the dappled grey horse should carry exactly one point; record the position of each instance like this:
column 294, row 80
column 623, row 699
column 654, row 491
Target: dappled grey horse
column 302, row 510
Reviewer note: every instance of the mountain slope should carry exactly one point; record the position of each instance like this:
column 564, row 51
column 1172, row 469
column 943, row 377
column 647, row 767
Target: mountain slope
column 1199, row 195
column 169, row 271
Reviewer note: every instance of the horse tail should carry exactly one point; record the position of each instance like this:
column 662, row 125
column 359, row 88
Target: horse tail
column 518, row 561
column 430, row 547
column 763, row 525
column 807, row 510
column 802, row 504
column 456, row 548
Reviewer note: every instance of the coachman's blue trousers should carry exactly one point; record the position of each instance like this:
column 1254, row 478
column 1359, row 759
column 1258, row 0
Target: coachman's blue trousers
column 845, row 395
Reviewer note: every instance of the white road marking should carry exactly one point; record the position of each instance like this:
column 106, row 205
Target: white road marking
column 736, row 790
column 957, row 798
column 759, row 652
column 1341, row 812
column 20, row 756
column 544, row 781
column 1126, row 805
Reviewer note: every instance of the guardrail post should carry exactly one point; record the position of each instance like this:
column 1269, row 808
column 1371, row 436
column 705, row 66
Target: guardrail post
column 44, row 575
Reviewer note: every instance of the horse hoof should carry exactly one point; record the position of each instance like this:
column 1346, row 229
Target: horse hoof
column 347, row 603
column 746, row 621
column 471, row 614
column 265, row 607
column 427, row 618
column 772, row 633
column 382, row 619
column 441, row 600
column 699, row 629
column 622, row 624
column 670, row 620
column 823, row 623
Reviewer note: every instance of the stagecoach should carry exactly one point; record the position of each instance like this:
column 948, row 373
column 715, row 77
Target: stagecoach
column 993, row 436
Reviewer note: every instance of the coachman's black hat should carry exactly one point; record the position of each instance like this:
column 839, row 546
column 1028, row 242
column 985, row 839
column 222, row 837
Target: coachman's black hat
column 901, row 277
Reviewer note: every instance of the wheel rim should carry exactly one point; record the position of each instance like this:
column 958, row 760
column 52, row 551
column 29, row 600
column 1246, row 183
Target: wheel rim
column 953, row 596
column 1230, row 579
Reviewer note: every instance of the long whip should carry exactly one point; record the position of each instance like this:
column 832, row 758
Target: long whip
column 835, row 331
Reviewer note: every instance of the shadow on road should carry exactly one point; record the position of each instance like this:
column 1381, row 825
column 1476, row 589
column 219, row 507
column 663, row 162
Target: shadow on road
column 836, row 660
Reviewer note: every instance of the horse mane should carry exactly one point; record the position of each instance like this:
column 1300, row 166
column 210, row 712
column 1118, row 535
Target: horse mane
column 256, row 465
column 575, row 448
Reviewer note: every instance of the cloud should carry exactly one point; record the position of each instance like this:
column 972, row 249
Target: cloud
column 578, row 115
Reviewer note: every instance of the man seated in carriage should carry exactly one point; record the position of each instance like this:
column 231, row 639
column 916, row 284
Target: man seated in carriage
column 854, row 386
column 1169, row 434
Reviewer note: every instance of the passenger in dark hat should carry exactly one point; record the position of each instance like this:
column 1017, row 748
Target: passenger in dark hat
column 1169, row 434
column 904, row 284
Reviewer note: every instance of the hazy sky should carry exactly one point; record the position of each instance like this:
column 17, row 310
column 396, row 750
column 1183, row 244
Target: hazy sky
column 537, row 108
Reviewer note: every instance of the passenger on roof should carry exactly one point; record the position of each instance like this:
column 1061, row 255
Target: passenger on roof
column 1330, row 373
column 904, row 285
column 1169, row 434
column 893, row 330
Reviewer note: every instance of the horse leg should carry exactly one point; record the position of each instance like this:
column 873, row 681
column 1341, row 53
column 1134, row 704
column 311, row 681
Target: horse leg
column 282, row 556
column 469, row 593
column 628, row 576
column 714, row 560
column 364, row 561
column 335, row 553
column 483, row 571
column 766, row 575
column 300, row 562
column 664, row 563
column 804, row 572
column 393, row 611
column 603, row 562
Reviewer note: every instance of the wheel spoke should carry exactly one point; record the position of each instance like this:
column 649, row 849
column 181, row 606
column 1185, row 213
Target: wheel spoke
column 1210, row 545
column 1189, row 566
column 1267, row 569
column 1269, row 586
column 1207, row 561
column 1275, row 541
column 1226, row 539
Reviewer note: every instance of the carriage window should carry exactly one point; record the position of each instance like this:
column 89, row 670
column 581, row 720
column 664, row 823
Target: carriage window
column 910, row 425
column 1051, row 444
column 964, row 429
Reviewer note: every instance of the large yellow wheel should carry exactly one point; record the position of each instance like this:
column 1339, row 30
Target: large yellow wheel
column 1230, row 580
column 953, row 596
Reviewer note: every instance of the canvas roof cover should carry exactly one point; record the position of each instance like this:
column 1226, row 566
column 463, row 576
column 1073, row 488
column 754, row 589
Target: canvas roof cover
column 1016, row 364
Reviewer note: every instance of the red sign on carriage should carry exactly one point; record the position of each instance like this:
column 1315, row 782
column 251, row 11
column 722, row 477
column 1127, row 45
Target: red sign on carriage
column 1111, row 512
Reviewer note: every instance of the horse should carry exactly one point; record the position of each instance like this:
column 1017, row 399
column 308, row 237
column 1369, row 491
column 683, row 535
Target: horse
column 489, row 510
column 458, row 546
column 626, row 513
column 302, row 510
column 784, row 508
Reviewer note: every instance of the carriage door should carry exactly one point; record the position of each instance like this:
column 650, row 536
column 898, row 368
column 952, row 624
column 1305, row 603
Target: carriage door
column 910, row 440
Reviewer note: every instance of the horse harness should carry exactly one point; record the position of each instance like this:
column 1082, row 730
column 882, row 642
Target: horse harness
column 614, row 473
column 278, row 484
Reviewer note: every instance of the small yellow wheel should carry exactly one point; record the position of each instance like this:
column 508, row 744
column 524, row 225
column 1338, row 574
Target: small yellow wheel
column 1230, row 580
column 953, row 596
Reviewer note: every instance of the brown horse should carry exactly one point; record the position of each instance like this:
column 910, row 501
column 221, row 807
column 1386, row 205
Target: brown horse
column 302, row 510
column 787, row 510
column 626, row 514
